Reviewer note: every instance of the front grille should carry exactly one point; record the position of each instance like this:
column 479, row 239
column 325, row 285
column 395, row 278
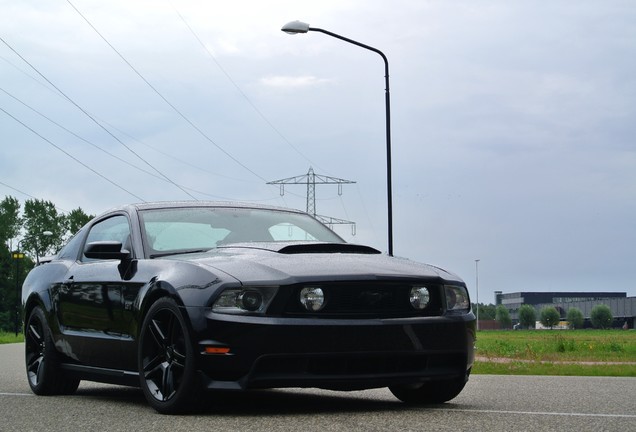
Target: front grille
column 363, row 299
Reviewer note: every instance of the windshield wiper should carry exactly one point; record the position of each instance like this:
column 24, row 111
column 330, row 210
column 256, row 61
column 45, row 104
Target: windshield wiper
column 183, row 252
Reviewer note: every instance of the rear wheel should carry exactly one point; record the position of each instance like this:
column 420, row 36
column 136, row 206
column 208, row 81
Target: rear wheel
column 432, row 392
column 166, row 359
column 41, row 358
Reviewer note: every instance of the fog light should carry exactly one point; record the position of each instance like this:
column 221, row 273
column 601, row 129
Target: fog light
column 313, row 299
column 250, row 300
column 419, row 297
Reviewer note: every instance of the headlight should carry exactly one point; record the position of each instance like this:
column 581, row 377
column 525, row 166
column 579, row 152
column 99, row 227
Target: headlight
column 456, row 298
column 419, row 297
column 312, row 298
column 244, row 300
column 251, row 300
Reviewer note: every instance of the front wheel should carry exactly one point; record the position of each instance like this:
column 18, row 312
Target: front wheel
column 166, row 359
column 432, row 392
column 41, row 358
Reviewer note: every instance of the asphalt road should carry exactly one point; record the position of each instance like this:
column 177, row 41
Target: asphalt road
column 488, row 403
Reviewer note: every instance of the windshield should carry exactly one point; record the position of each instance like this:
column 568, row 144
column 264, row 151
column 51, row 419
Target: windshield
column 178, row 230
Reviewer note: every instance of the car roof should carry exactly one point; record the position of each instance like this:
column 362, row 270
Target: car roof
column 196, row 204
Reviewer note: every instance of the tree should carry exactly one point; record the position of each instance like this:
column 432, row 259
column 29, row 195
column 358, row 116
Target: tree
column 76, row 219
column 486, row 311
column 575, row 318
column 527, row 316
column 503, row 316
column 9, row 291
column 41, row 216
column 601, row 316
column 549, row 316
column 9, row 219
column 38, row 217
column 9, row 228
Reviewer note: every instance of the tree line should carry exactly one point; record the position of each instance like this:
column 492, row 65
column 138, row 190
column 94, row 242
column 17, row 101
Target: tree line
column 28, row 232
column 601, row 317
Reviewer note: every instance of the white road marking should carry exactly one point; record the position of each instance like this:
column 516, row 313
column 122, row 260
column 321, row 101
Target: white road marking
column 542, row 413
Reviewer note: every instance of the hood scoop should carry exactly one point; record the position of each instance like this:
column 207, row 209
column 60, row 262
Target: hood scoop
column 307, row 248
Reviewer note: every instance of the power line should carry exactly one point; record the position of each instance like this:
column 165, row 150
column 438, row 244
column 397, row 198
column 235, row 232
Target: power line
column 93, row 119
column 17, row 190
column 183, row 116
column 30, row 196
column 173, row 157
column 255, row 108
column 76, row 135
column 70, row 155
column 98, row 147
column 241, row 92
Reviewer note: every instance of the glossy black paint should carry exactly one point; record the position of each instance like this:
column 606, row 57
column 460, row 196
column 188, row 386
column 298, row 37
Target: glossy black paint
column 95, row 308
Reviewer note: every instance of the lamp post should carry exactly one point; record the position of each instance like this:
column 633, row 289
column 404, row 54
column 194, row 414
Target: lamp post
column 17, row 256
column 477, row 288
column 296, row 27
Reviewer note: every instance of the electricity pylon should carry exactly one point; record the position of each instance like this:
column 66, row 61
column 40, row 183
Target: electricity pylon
column 311, row 179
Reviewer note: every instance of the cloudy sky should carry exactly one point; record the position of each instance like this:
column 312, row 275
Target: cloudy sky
column 513, row 122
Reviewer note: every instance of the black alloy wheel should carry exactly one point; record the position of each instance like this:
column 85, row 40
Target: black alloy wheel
column 166, row 359
column 42, row 366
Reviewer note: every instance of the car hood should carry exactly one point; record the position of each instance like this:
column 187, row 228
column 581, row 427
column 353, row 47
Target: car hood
column 289, row 263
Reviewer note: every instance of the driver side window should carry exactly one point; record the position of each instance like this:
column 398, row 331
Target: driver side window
column 115, row 228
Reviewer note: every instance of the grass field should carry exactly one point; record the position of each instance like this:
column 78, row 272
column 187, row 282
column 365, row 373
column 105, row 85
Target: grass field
column 10, row 338
column 557, row 352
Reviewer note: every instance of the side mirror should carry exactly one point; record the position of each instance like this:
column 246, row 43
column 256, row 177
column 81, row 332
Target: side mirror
column 106, row 250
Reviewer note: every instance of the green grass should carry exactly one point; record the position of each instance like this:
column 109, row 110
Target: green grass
column 557, row 352
column 10, row 338
column 560, row 369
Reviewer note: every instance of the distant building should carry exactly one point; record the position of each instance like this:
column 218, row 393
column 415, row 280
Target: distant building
column 623, row 307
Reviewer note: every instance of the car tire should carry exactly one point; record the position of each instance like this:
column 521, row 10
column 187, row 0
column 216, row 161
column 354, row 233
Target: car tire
column 432, row 392
column 166, row 359
column 41, row 359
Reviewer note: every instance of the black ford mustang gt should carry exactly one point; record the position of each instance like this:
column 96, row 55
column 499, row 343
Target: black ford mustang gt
column 180, row 297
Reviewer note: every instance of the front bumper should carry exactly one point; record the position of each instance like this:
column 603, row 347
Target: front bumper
column 339, row 354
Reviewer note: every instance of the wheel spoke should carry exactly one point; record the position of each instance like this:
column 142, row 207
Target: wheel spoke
column 157, row 334
column 178, row 358
column 152, row 366
column 168, row 384
column 33, row 334
column 35, row 364
column 34, row 351
column 35, row 368
column 171, row 327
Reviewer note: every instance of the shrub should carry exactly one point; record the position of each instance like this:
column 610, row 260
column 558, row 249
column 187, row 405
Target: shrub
column 502, row 316
column 575, row 318
column 527, row 316
column 549, row 316
column 601, row 317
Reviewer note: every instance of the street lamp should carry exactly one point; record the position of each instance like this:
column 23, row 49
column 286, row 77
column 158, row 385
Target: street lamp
column 477, row 288
column 296, row 27
column 17, row 256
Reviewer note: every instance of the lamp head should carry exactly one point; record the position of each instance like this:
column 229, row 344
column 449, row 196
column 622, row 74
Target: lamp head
column 295, row 27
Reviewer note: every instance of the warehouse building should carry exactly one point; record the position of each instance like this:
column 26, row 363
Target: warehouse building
column 623, row 308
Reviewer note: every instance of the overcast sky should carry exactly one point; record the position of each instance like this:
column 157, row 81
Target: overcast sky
column 513, row 122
